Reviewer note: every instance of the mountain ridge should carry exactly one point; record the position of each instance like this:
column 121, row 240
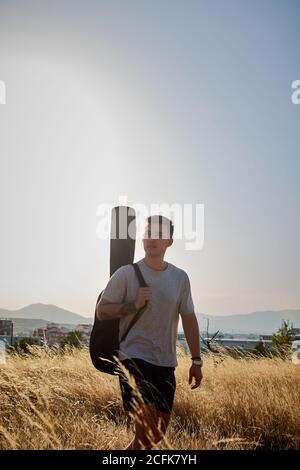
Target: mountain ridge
column 258, row 322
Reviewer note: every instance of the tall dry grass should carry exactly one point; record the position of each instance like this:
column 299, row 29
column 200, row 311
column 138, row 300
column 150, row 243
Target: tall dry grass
column 52, row 401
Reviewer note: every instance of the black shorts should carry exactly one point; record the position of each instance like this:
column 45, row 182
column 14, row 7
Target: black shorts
column 157, row 384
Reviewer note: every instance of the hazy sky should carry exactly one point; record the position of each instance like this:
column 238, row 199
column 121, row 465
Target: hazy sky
column 164, row 101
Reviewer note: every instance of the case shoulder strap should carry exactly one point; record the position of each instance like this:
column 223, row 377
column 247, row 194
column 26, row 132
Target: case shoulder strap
column 142, row 283
column 139, row 275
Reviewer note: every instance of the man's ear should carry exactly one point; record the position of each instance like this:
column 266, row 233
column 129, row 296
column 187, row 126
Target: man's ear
column 171, row 241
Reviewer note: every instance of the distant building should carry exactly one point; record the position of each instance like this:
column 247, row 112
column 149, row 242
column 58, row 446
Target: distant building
column 6, row 331
column 40, row 334
column 55, row 334
column 85, row 329
column 51, row 334
column 6, row 327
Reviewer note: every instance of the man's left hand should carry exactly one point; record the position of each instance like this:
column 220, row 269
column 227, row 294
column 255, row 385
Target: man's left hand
column 196, row 374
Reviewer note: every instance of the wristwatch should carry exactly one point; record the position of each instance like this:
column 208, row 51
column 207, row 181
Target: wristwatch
column 197, row 361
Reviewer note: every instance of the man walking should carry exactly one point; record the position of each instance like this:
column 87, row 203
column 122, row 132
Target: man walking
column 149, row 350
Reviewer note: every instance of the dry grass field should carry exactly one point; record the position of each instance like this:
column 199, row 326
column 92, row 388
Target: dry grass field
column 52, row 401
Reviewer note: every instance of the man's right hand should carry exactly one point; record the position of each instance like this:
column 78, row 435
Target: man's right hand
column 142, row 297
column 108, row 311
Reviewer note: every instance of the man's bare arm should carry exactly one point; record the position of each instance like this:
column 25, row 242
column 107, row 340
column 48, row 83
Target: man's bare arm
column 108, row 311
column 191, row 332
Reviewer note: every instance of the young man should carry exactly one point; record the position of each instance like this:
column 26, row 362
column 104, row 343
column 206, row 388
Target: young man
column 149, row 350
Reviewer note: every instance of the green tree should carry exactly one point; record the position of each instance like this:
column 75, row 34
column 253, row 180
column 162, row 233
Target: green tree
column 260, row 349
column 282, row 340
column 73, row 338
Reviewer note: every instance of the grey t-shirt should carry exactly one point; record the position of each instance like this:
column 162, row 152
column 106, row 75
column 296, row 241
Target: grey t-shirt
column 153, row 337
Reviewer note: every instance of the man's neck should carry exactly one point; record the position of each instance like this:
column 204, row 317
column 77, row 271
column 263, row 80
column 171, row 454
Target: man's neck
column 155, row 263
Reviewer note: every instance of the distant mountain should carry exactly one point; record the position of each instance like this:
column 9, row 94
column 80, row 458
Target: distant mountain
column 50, row 313
column 264, row 322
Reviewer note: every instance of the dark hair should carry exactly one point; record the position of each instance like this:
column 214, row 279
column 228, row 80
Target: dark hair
column 160, row 219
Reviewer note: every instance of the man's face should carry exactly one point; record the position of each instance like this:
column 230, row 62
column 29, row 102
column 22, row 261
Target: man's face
column 154, row 241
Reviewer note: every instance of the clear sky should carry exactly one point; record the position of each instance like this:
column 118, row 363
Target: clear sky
column 164, row 101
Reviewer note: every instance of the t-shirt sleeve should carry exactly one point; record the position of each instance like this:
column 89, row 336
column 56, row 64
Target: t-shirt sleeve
column 186, row 303
column 115, row 290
